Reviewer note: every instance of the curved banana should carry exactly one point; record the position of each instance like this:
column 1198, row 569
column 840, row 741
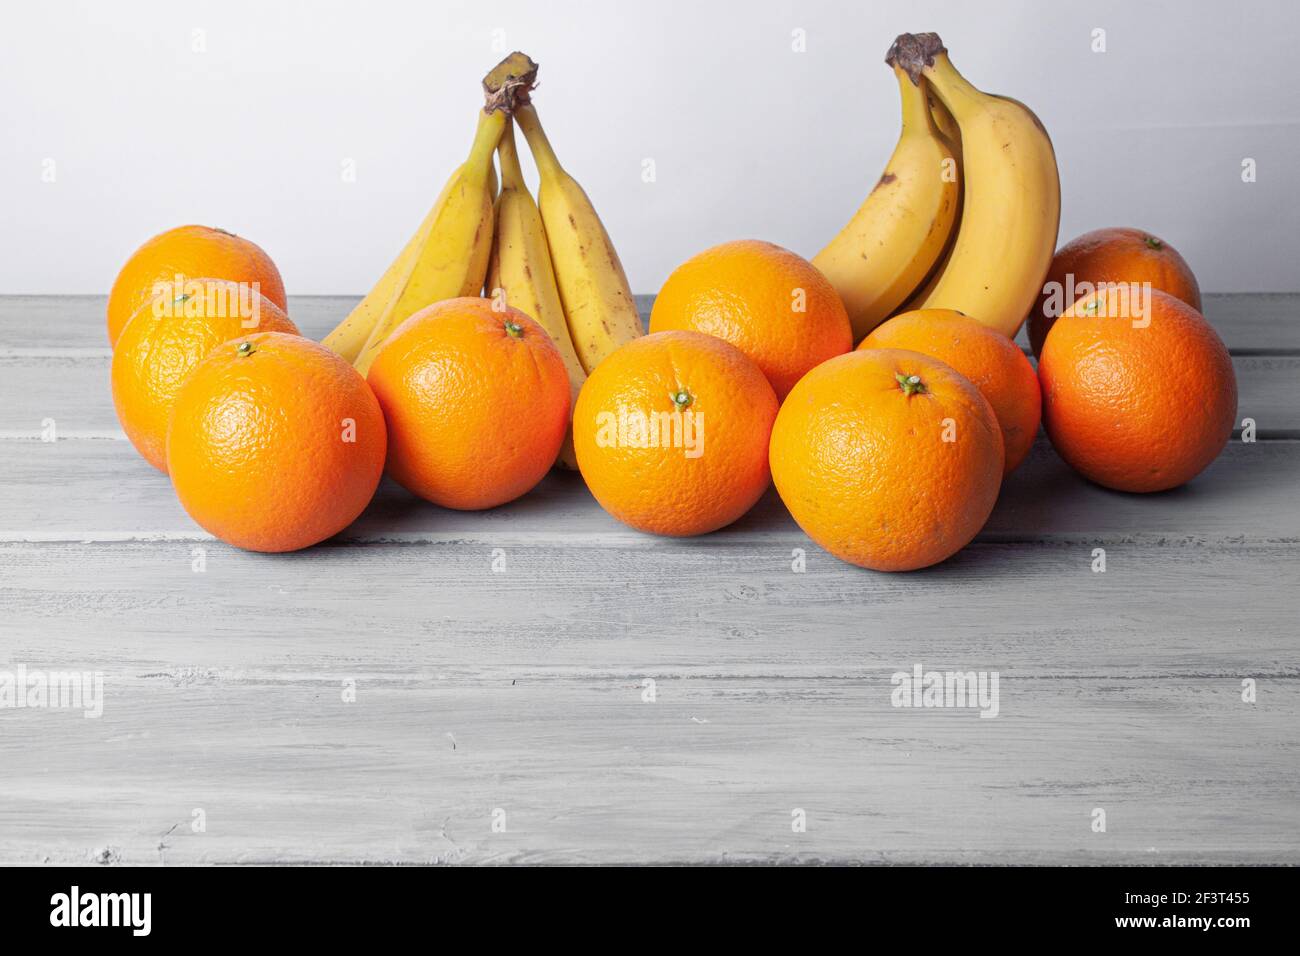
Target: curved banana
column 350, row 335
column 448, row 255
column 598, row 303
column 452, row 259
column 521, row 270
column 948, row 131
column 900, row 230
column 1012, row 205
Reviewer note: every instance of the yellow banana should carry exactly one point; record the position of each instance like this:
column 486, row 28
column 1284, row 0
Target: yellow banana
column 947, row 128
column 1012, row 205
column 452, row 259
column 598, row 303
column 917, row 299
column 448, row 255
column 521, row 272
column 350, row 335
column 900, row 230
column 943, row 121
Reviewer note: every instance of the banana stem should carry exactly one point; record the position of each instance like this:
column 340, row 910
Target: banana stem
column 548, row 163
column 486, row 137
column 512, row 176
column 505, row 89
column 924, row 53
column 916, row 107
column 913, row 52
column 508, row 84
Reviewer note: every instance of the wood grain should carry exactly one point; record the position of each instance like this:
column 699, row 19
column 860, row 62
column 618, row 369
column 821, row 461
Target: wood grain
column 523, row 691
column 584, row 771
column 734, row 609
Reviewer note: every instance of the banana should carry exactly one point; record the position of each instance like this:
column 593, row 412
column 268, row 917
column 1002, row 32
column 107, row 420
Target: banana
column 948, row 131
column 448, row 255
column 943, row 121
column 350, row 335
column 598, row 303
column 521, row 271
column 1012, row 206
column 917, row 299
column 452, row 258
column 899, row 231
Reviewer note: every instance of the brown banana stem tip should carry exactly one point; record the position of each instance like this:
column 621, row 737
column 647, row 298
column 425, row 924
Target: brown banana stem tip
column 508, row 83
column 913, row 52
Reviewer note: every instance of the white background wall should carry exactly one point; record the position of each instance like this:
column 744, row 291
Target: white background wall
column 749, row 138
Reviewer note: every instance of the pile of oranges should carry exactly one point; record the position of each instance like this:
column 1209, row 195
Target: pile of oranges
column 272, row 441
column 890, row 455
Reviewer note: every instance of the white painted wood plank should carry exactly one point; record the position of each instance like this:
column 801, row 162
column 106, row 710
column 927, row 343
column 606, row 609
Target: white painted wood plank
column 101, row 490
column 523, row 691
column 1260, row 324
column 584, row 771
column 1254, row 323
column 586, row 609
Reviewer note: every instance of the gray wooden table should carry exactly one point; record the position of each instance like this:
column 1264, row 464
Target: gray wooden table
column 539, row 683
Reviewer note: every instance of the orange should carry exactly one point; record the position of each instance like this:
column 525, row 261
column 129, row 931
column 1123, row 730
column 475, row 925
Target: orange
column 993, row 363
column 1104, row 256
column 275, row 443
column 773, row 305
column 189, row 252
column 477, row 402
column 1137, row 409
column 166, row 338
column 887, row 458
column 671, row 433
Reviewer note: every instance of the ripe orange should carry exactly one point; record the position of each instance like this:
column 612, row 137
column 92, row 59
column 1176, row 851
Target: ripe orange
column 887, row 458
column 671, row 433
column 188, row 252
column 993, row 363
column 477, row 403
column 275, row 443
column 1137, row 409
column 1110, row 255
column 773, row 305
column 165, row 339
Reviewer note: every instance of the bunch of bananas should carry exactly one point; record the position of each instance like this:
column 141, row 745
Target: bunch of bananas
column 910, row 245
column 552, row 259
